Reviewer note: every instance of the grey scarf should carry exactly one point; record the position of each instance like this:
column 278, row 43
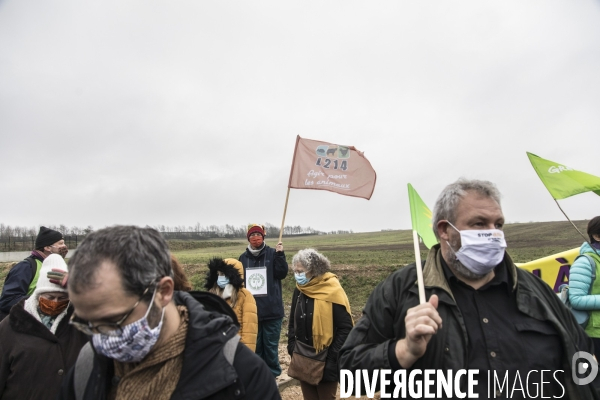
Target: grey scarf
column 256, row 252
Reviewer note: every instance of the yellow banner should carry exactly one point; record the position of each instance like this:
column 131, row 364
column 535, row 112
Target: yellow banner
column 554, row 269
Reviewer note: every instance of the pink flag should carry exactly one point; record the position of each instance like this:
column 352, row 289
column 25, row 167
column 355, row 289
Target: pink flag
column 326, row 166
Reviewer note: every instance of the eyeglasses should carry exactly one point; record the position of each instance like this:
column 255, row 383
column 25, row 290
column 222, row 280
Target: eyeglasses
column 111, row 328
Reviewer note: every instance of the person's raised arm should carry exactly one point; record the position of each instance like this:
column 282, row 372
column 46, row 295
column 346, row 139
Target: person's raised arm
column 280, row 265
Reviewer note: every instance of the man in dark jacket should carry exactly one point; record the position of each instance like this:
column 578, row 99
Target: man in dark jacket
column 147, row 340
column 483, row 313
column 264, row 268
column 22, row 278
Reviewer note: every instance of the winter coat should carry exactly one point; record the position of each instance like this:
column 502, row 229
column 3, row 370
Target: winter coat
column 300, row 328
column 206, row 373
column 245, row 305
column 270, row 306
column 383, row 317
column 580, row 281
column 33, row 361
column 16, row 284
column 245, row 310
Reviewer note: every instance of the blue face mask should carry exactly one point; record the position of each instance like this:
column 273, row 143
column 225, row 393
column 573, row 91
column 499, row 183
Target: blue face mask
column 222, row 281
column 301, row 278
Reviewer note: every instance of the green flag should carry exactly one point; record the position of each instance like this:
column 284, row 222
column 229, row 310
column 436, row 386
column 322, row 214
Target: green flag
column 562, row 181
column 421, row 218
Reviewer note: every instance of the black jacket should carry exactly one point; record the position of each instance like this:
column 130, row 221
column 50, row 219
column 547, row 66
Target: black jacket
column 33, row 360
column 301, row 315
column 382, row 323
column 205, row 374
column 16, row 285
column 270, row 306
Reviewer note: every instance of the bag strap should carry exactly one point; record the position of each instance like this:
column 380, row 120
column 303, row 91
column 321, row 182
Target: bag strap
column 33, row 266
column 83, row 370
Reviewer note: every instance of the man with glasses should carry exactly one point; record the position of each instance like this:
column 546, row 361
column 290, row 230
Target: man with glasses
column 22, row 278
column 148, row 340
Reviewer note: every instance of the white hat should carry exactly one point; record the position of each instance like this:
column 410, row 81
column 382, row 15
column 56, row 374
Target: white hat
column 43, row 284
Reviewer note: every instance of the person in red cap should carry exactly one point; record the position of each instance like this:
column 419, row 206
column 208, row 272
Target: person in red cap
column 264, row 268
column 22, row 278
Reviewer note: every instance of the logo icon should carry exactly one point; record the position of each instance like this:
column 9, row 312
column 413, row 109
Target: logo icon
column 579, row 367
column 558, row 169
column 256, row 281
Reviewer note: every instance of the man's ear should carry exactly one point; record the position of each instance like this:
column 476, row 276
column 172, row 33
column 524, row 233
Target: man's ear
column 442, row 229
column 165, row 290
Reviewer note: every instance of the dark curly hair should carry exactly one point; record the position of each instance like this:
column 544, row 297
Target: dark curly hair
column 593, row 228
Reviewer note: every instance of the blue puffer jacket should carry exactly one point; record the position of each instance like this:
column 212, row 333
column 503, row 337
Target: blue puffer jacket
column 580, row 280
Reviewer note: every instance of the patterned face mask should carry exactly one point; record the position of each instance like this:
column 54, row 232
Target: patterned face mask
column 51, row 307
column 134, row 343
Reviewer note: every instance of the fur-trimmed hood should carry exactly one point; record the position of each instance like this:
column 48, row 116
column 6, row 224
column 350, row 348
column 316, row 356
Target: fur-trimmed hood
column 230, row 267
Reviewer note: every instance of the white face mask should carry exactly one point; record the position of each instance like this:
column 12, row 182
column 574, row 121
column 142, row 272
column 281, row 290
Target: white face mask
column 481, row 250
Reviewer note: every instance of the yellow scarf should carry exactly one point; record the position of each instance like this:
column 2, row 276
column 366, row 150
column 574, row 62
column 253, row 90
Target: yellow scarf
column 325, row 290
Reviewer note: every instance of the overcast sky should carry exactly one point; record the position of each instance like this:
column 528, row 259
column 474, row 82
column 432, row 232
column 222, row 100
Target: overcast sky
column 185, row 112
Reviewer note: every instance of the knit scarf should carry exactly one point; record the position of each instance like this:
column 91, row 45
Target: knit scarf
column 39, row 254
column 157, row 375
column 325, row 290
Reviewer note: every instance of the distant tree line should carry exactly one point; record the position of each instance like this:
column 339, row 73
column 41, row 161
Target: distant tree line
column 24, row 231
column 19, row 237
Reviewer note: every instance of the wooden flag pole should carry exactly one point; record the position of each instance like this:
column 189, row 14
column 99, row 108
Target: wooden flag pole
column 284, row 211
column 287, row 197
column 422, row 299
column 568, row 219
column 574, row 226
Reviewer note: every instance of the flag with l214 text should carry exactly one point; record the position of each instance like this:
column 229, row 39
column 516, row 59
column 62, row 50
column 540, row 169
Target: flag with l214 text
column 337, row 168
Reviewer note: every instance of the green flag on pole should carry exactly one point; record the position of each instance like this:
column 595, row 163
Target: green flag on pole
column 421, row 218
column 562, row 181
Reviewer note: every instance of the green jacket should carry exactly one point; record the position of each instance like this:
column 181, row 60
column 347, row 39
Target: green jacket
column 382, row 322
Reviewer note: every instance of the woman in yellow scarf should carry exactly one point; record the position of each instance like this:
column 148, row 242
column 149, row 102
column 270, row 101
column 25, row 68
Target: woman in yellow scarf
column 320, row 317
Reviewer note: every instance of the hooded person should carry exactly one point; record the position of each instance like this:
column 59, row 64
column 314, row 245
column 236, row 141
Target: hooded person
column 264, row 268
column 37, row 329
column 225, row 278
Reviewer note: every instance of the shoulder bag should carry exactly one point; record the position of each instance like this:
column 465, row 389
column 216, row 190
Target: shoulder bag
column 306, row 365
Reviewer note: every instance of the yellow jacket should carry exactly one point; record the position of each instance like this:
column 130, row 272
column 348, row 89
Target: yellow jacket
column 245, row 310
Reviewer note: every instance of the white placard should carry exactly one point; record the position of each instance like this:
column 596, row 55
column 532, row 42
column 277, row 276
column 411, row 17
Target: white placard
column 256, row 281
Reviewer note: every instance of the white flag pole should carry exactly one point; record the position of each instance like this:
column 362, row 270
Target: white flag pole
column 422, row 299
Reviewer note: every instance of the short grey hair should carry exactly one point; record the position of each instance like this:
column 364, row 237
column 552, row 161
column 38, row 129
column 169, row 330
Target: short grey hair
column 447, row 201
column 312, row 261
column 141, row 256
